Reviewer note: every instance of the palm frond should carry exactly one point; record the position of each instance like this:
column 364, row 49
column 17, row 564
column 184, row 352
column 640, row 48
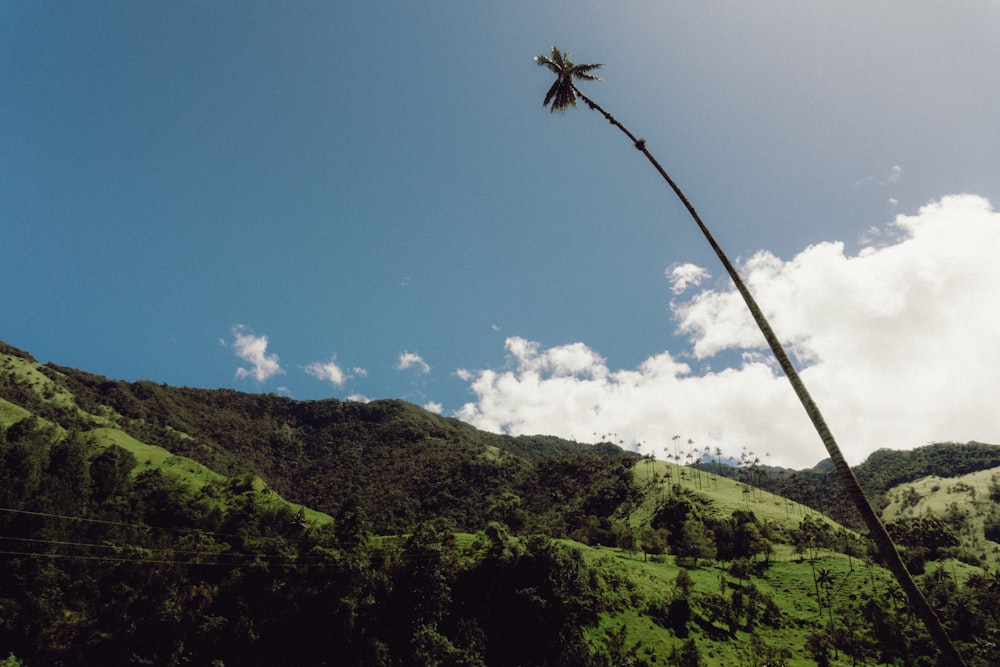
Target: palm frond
column 559, row 58
column 552, row 93
column 581, row 72
column 563, row 93
column 546, row 62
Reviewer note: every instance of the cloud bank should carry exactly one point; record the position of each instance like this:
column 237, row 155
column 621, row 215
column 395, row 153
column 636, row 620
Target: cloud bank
column 899, row 345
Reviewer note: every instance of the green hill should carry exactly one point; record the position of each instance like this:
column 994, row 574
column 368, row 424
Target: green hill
column 820, row 488
column 147, row 524
column 968, row 505
column 402, row 463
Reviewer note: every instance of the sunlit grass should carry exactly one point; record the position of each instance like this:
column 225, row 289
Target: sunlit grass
column 10, row 413
column 632, row 584
column 662, row 478
column 964, row 502
column 192, row 473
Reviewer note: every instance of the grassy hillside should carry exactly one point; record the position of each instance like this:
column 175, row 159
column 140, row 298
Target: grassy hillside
column 780, row 615
column 968, row 504
column 402, row 463
column 888, row 468
column 10, row 413
column 43, row 396
column 193, row 474
column 726, row 495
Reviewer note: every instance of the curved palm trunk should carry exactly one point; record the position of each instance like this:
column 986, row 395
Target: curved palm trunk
column 886, row 548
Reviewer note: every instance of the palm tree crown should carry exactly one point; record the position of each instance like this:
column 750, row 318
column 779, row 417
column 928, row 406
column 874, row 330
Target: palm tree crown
column 563, row 93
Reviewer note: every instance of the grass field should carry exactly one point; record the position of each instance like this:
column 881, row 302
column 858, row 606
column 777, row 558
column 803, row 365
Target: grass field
column 105, row 433
column 44, row 387
column 726, row 495
column 788, row 582
column 191, row 472
column 10, row 413
column 963, row 502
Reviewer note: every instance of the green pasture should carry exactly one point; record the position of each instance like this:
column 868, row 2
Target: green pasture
column 10, row 413
column 726, row 495
column 963, row 502
column 47, row 390
column 631, row 585
column 194, row 474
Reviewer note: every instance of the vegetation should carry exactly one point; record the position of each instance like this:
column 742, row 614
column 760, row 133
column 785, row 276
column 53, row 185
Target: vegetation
column 885, row 469
column 403, row 464
column 121, row 544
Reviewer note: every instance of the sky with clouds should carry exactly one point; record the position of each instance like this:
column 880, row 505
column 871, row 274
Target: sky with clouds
column 367, row 200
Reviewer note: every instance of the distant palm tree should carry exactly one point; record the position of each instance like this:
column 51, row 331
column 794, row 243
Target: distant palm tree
column 563, row 94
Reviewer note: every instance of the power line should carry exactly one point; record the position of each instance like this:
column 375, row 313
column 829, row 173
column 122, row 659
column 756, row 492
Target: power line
column 145, row 550
column 67, row 517
column 142, row 526
column 300, row 560
column 138, row 553
column 259, row 559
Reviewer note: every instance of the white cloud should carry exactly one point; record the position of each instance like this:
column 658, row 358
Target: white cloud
column 899, row 346
column 564, row 361
column 253, row 349
column 682, row 276
column 434, row 406
column 328, row 372
column 411, row 360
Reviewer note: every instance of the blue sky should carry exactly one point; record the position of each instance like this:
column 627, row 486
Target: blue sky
column 368, row 200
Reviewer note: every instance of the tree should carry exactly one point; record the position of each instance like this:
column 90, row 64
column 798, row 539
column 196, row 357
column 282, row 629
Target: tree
column 616, row 651
column 21, row 464
column 824, row 582
column 110, row 472
column 686, row 655
column 625, row 537
column 697, row 542
column 653, row 541
column 684, row 583
column 563, row 94
column 818, row 645
column 351, row 525
column 66, row 486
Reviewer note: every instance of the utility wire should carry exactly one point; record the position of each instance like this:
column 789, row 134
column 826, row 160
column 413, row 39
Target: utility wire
column 268, row 559
column 142, row 526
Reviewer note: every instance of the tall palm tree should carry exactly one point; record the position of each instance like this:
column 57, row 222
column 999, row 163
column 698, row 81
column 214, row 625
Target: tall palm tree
column 563, row 94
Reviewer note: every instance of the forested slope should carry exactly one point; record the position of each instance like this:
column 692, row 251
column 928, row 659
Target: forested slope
column 147, row 524
column 401, row 463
